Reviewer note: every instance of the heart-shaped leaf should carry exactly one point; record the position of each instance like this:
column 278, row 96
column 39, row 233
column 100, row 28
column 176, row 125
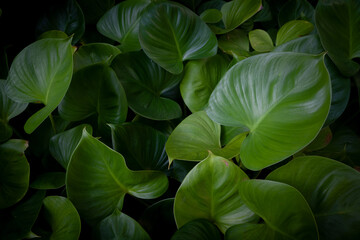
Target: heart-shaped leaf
column 147, row 86
column 142, row 146
column 338, row 25
column 200, row 79
column 292, row 30
column 284, row 210
column 283, row 98
column 41, row 73
column 210, row 191
column 196, row 136
column 97, row 180
column 296, row 10
column 121, row 23
column 8, row 110
column 63, row 218
column 95, row 90
column 261, row 41
column 332, row 190
column 120, row 226
column 62, row 145
column 170, row 33
column 94, row 53
column 49, row 180
column 199, row 229
column 14, row 172
column 65, row 16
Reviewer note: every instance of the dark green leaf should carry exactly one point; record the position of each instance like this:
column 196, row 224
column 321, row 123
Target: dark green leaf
column 296, row 10
column 199, row 229
column 235, row 43
column 49, row 180
column 321, row 141
column 211, row 16
column 95, row 9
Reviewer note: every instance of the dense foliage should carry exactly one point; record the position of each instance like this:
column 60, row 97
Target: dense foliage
column 193, row 119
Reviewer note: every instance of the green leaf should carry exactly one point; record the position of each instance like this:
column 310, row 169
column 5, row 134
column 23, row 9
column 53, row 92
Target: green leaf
column 199, row 229
column 278, row 97
column 97, row 180
column 292, row 30
column 49, row 180
column 147, row 86
column 18, row 222
column 260, row 41
column 196, row 136
column 41, row 73
column 296, row 10
column 332, row 190
column 237, row 12
column 235, row 43
column 94, row 53
column 284, row 210
column 121, row 23
column 14, row 172
column 200, row 79
column 338, row 25
column 65, row 16
column 170, row 33
column 210, row 191
column 95, row 90
column 63, row 218
column 307, row 44
column 62, row 145
column 211, row 15
column 321, row 141
column 53, row 34
column 120, row 226
column 142, row 146
column 8, row 110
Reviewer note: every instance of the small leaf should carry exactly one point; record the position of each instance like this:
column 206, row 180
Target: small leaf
column 235, row 43
column 210, row 192
column 170, row 33
column 260, row 41
column 49, row 180
column 199, row 229
column 63, row 218
column 292, row 30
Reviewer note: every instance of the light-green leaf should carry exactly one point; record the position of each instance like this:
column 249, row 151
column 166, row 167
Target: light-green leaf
column 292, row 30
column 278, row 98
column 41, row 73
column 260, row 41
column 210, row 191
column 170, row 33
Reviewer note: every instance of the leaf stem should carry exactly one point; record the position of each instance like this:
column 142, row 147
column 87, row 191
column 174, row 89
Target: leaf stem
column 52, row 122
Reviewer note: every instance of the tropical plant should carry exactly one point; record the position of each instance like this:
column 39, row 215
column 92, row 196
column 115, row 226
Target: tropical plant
column 193, row 119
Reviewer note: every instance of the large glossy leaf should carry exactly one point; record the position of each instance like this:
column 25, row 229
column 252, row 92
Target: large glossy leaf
column 142, row 146
column 95, row 90
column 97, row 180
column 307, row 44
column 63, row 218
column 62, row 145
column 284, row 210
column 49, row 180
column 296, row 10
column 65, row 16
column 196, row 136
column 148, row 86
column 94, row 53
column 332, row 190
column 199, row 229
column 278, row 98
column 8, row 110
column 338, row 25
column 41, row 73
column 119, row 226
column 200, row 79
column 292, row 30
column 170, row 33
column 210, row 191
column 121, row 23
column 17, row 223
column 14, row 172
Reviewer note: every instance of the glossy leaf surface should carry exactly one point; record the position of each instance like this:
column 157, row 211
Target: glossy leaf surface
column 210, row 191
column 284, row 210
column 121, row 23
column 266, row 93
column 292, row 30
column 14, row 172
column 97, row 180
column 200, row 79
column 196, row 136
column 338, row 25
column 199, row 229
column 147, row 86
column 170, row 33
column 332, row 191
column 62, row 217
column 41, row 73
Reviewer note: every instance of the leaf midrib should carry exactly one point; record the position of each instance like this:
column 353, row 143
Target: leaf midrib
column 175, row 39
